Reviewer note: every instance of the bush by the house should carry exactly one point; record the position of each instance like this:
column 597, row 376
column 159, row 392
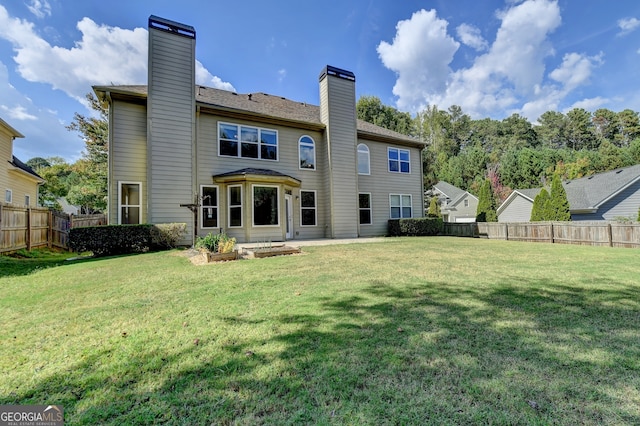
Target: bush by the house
column 425, row 226
column 167, row 235
column 110, row 240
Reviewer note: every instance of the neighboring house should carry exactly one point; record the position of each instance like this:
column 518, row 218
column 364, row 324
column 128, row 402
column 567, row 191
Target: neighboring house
column 456, row 205
column 258, row 166
column 18, row 182
column 603, row 196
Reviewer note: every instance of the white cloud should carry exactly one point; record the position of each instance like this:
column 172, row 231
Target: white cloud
column 591, row 104
column 628, row 25
column 510, row 77
column 420, row 55
column 103, row 55
column 471, row 36
column 18, row 112
column 282, row 74
column 205, row 78
column 39, row 8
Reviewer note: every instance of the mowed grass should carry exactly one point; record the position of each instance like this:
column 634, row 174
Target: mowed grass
column 408, row 331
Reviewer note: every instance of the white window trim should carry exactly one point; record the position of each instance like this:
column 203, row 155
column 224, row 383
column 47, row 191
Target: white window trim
column 370, row 208
column 399, row 161
column 239, row 153
column 120, row 205
column 315, row 208
column 401, row 206
column 27, row 200
column 368, row 152
column 8, row 196
column 253, row 205
column 202, row 207
column 313, row 145
column 241, row 206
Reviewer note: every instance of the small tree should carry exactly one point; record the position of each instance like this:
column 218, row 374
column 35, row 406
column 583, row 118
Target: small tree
column 434, row 208
column 559, row 202
column 540, row 205
column 486, row 211
column 638, row 218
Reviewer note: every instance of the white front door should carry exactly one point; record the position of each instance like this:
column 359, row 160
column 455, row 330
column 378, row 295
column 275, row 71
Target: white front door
column 288, row 201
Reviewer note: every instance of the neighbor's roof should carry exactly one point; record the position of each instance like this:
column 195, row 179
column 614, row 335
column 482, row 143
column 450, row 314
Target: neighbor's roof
column 450, row 191
column 592, row 191
column 20, row 165
column 264, row 105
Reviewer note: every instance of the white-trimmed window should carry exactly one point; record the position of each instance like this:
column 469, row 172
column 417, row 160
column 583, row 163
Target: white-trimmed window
column 308, row 210
column 266, row 203
column 307, row 153
column 209, row 206
column 400, row 206
column 8, row 196
column 234, row 195
column 129, row 202
column 247, row 142
column 27, row 200
column 364, row 161
column 364, row 205
column 399, row 160
column 466, row 203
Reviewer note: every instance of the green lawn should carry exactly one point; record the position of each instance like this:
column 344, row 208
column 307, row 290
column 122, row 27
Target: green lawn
column 409, row 331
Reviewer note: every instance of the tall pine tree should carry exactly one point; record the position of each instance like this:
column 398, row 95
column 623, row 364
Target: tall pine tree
column 486, row 211
column 559, row 202
column 540, row 206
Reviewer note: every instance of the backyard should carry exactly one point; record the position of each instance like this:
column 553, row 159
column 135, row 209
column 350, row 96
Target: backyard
column 436, row 330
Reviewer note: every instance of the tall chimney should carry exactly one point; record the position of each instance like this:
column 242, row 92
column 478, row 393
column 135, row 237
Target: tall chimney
column 171, row 122
column 338, row 113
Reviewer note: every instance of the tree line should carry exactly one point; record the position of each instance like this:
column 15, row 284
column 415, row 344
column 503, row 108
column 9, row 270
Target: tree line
column 513, row 153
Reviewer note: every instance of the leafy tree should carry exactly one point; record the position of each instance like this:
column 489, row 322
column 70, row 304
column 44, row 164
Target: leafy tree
column 434, row 208
column 486, row 211
column 37, row 163
column 55, row 171
column 552, row 129
column 628, row 127
column 88, row 188
column 579, row 129
column 540, row 206
column 371, row 109
column 638, row 218
column 518, row 132
column 559, row 203
column 605, row 124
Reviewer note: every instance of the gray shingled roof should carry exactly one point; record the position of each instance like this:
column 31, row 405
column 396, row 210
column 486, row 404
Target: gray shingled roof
column 22, row 166
column 450, row 191
column 591, row 191
column 265, row 105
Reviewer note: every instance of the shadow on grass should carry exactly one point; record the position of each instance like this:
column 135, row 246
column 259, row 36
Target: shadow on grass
column 422, row 354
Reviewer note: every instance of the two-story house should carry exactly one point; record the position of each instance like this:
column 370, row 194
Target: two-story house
column 18, row 182
column 258, row 166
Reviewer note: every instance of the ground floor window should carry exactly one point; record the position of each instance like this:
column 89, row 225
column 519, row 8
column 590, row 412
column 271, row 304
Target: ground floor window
column 265, row 206
column 209, row 208
column 27, row 200
column 364, row 204
column 235, row 206
column 308, row 216
column 130, row 202
column 400, row 205
column 8, row 196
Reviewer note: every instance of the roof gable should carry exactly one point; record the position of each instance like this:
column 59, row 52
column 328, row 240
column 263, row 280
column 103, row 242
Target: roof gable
column 592, row 191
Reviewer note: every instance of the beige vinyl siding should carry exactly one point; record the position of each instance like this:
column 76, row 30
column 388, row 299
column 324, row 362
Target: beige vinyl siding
column 337, row 111
column 209, row 164
column 128, row 156
column 171, row 120
column 19, row 182
column 518, row 210
column 6, row 147
column 380, row 183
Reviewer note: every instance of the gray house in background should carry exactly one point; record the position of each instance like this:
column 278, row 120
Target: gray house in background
column 603, row 196
column 456, row 205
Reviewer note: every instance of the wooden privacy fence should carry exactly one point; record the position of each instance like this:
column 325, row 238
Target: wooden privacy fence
column 27, row 228
column 609, row 234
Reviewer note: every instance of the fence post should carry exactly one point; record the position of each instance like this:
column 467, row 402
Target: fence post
column 506, row 231
column 50, row 229
column 553, row 236
column 610, row 234
column 28, row 236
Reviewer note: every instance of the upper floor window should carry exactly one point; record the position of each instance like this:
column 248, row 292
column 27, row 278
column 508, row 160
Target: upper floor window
column 27, row 200
column 364, row 167
column 399, row 160
column 247, row 142
column 209, row 212
column 307, row 149
column 8, row 196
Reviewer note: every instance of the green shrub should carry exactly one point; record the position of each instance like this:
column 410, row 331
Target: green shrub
column 216, row 243
column 425, row 226
column 111, row 239
column 167, row 235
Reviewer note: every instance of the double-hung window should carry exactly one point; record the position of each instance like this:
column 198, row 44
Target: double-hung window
column 209, row 206
column 307, row 151
column 364, row 204
column 308, row 211
column 235, row 206
column 364, row 166
column 265, row 206
column 399, row 160
column 247, row 142
column 400, row 206
column 129, row 202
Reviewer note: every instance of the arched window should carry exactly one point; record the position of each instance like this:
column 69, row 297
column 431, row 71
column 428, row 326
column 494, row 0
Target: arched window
column 307, row 150
column 363, row 160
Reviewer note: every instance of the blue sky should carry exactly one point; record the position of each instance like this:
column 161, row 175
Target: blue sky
column 492, row 57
